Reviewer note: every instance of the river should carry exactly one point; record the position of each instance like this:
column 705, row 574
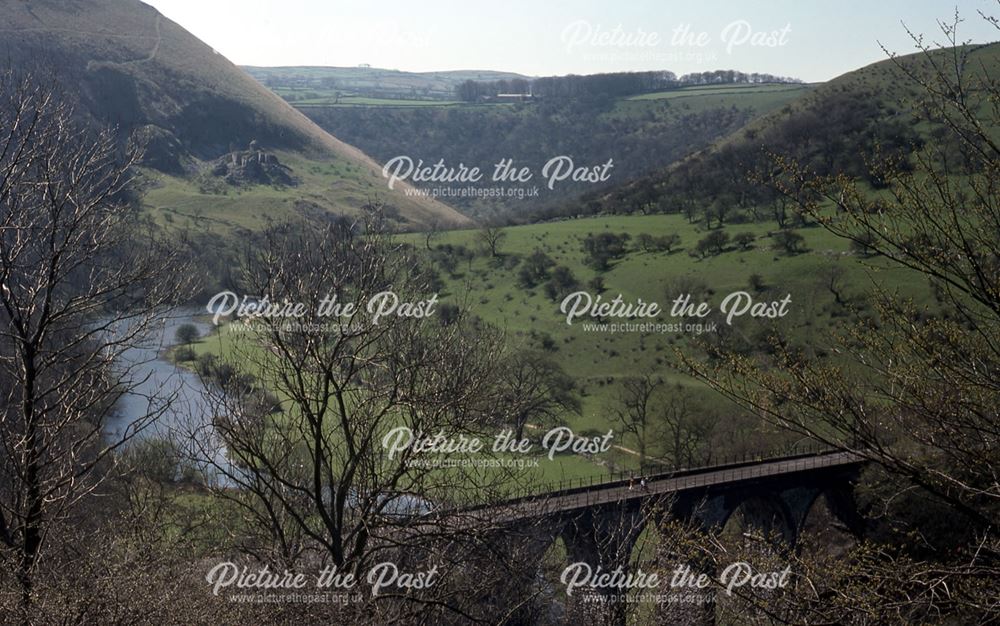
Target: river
column 174, row 393
column 187, row 418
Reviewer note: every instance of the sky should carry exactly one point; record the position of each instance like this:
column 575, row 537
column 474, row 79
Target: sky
column 811, row 40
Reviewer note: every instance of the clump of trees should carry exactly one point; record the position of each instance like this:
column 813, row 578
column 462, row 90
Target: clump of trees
column 655, row 412
column 603, row 248
column 561, row 283
column 535, row 269
column 712, row 244
column 789, row 241
column 608, row 85
column 663, row 243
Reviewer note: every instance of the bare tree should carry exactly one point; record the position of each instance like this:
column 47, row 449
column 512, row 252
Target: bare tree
column 833, row 279
column 649, row 409
column 686, row 427
column 635, row 409
column 79, row 285
column 535, row 388
column 491, row 236
column 433, row 232
column 326, row 470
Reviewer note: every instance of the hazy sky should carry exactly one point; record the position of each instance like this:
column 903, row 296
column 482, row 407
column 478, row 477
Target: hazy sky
column 806, row 39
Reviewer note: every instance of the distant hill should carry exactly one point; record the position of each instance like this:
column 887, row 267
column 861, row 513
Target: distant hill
column 132, row 67
column 640, row 133
column 834, row 128
column 304, row 82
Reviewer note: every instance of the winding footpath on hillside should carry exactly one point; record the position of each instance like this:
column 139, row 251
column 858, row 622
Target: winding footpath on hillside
column 159, row 39
column 156, row 45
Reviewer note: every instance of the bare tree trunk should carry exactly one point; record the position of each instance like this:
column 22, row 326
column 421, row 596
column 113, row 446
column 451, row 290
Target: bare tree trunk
column 77, row 291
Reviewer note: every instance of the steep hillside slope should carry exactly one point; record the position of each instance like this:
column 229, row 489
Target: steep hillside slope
column 130, row 66
column 838, row 127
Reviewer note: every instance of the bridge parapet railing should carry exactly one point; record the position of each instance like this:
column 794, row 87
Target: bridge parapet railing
column 595, row 489
column 733, row 463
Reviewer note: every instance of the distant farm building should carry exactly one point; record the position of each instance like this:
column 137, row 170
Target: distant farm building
column 514, row 97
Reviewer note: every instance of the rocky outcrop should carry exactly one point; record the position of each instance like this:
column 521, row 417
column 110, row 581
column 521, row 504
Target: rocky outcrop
column 253, row 166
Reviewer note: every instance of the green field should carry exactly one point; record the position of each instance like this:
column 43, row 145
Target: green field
column 335, row 100
column 597, row 361
column 761, row 98
column 719, row 90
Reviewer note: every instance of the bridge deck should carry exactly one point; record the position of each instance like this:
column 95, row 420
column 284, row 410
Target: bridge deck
column 663, row 484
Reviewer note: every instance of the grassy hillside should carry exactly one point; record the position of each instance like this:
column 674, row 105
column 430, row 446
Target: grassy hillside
column 838, row 126
column 129, row 66
column 599, row 360
column 648, row 275
column 827, row 282
column 761, row 95
column 331, row 185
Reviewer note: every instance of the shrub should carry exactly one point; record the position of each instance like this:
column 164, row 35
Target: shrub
column 744, row 241
column 187, row 334
column 448, row 313
column 535, row 269
column 184, row 354
column 712, row 244
column 669, row 242
column 561, row 283
column 789, row 241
